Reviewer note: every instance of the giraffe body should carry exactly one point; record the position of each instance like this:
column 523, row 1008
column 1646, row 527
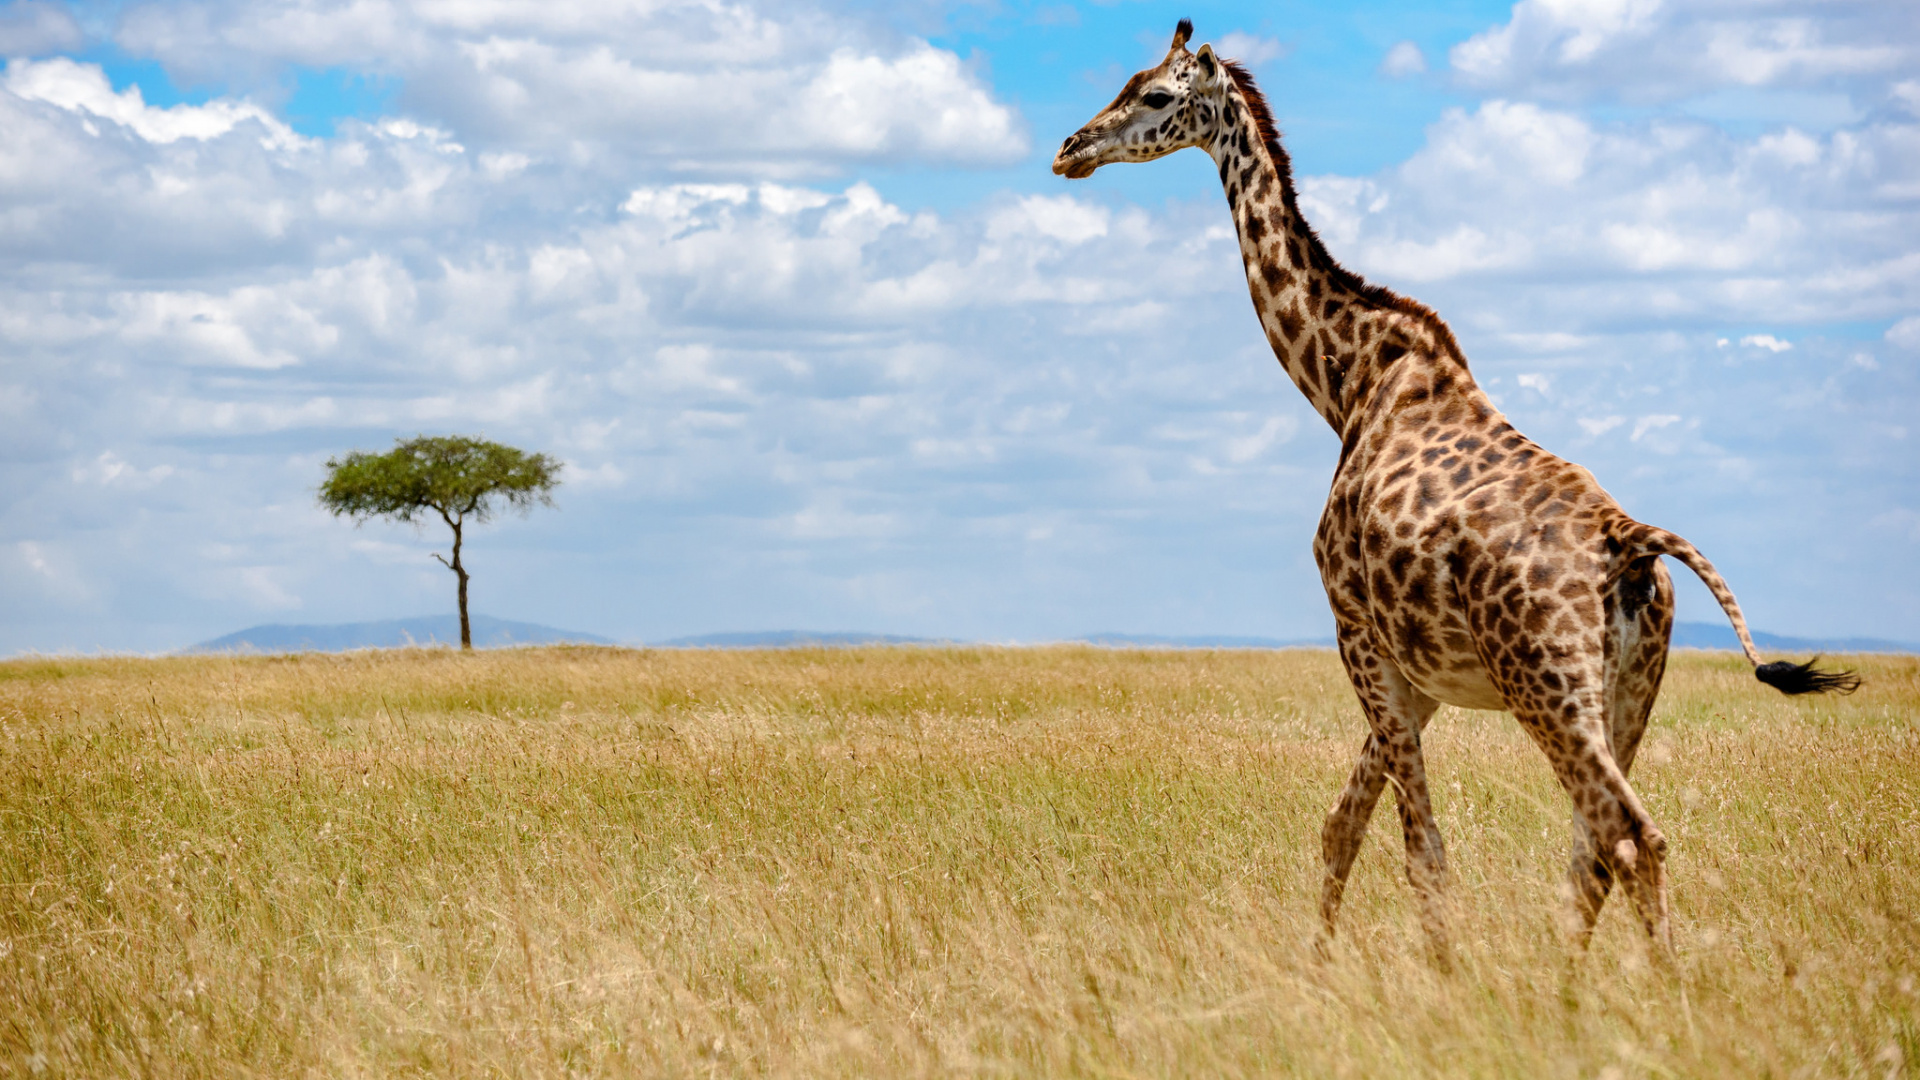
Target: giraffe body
column 1464, row 564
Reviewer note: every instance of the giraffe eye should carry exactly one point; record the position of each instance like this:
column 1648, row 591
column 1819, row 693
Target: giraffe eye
column 1159, row 99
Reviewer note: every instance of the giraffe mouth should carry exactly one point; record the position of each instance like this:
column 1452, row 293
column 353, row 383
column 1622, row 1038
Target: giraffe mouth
column 1075, row 161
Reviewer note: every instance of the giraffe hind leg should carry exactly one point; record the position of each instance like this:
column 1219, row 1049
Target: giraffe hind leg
column 1640, row 624
column 1620, row 835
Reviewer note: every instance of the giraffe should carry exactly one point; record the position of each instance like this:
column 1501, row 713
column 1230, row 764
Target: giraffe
column 1464, row 563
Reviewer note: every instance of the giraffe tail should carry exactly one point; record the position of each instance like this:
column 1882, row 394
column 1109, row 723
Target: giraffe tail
column 1786, row 677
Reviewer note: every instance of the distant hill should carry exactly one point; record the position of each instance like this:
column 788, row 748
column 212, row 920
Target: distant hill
column 488, row 632
column 494, row 633
column 789, row 639
column 1686, row 635
column 1203, row 641
column 1720, row 635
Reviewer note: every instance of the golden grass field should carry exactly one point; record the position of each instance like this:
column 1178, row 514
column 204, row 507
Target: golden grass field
column 917, row 861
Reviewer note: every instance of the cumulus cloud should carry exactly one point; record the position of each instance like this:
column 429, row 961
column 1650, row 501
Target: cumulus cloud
column 1905, row 334
column 779, row 389
column 32, row 28
column 1664, row 219
column 1403, row 61
column 1652, row 50
column 677, row 86
column 1767, row 342
column 84, row 88
column 798, row 357
column 1250, row 49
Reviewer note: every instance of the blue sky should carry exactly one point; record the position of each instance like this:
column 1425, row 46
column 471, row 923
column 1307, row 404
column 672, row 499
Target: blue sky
column 825, row 345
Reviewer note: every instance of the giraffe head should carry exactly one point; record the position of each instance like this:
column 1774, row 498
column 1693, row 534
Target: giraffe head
column 1160, row 110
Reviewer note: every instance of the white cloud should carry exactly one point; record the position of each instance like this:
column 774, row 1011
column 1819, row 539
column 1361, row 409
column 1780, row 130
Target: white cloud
column 261, row 586
column 1767, row 342
column 605, row 476
column 1899, row 521
column 1907, row 94
column 54, row 573
column 1058, row 217
column 247, row 328
column 681, row 85
column 1523, row 143
column 34, row 557
column 108, row 470
column 1905, row 334
column 1464, row 250
column 781, row 393
column 1653, row 217
column 1652, row 423
column 31, row 28
column 1250, row 49
column 920, row 105
column 84, row 88
column 1663, row 49
column 830, row 520
column 1403, row 61
column 1275, row 431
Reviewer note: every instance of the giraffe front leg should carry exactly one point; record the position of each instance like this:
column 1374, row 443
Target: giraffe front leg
column 1346, row 828
column 1396, row 714
column 1426, row 853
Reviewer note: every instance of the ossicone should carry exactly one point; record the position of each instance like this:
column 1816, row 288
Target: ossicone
column 1182, row 32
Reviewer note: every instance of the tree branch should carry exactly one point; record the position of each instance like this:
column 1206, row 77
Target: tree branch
column 442, row 558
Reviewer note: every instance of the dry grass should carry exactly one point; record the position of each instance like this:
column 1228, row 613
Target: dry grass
column 906, row 861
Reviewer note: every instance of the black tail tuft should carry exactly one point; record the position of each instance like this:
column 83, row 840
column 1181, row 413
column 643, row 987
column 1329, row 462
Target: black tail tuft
column 1805, row 678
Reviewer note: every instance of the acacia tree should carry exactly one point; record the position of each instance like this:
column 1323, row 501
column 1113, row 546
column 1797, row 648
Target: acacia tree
column 458, row 478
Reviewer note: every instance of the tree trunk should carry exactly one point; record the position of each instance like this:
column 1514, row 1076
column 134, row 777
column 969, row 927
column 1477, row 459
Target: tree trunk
column 466, row 627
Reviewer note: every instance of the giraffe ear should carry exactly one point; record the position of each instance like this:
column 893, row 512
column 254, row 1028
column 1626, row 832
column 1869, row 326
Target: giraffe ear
column 1207, row 66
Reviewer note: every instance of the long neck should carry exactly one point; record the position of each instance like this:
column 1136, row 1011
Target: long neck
column 1307, row 305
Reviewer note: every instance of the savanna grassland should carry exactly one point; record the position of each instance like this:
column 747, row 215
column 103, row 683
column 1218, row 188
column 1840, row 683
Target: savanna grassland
column 1038, row 862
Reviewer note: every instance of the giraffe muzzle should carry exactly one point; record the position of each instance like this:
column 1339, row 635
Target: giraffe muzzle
column 1071, row 162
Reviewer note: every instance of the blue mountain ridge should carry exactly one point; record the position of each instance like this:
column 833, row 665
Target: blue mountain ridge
column 489, row 632
column 791, row 639
column 1686, row 635
column 1719, row 635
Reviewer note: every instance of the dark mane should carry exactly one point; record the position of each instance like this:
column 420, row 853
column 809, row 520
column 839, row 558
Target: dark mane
column 1317, row 254
column 1257, row 105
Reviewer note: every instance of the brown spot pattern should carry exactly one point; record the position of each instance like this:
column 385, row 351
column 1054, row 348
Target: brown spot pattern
column 1463, row 563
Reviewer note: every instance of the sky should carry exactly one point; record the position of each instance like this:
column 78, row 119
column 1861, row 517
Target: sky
column 824, row 345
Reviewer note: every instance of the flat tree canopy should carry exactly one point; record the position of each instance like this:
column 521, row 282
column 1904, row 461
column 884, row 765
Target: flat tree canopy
column 456, row 477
